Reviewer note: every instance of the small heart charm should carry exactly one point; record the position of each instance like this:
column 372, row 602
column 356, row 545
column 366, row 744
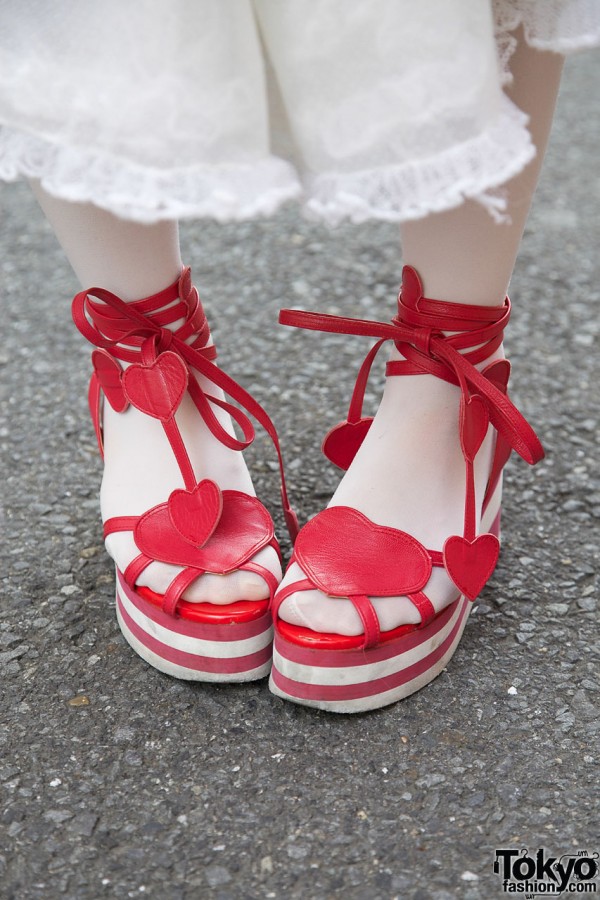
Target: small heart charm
column 342, row 443
column 498, row 373
column 157, row 389
column 470, row 563
column 109, row 373
column 244, row 528
column 474, row 421
column 195, row 514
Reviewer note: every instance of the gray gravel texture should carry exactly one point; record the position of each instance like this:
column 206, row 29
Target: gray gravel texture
column 120, row 782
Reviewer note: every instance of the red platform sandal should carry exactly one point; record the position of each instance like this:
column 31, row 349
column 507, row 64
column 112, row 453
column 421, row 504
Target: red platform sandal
column 344, row 554
column 199, row 527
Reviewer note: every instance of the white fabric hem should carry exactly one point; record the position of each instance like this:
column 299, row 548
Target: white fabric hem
column 554, row 25
column 142, row 184
column 144, row 194
column 411, row 191
column 548, row 25
column 244, row 191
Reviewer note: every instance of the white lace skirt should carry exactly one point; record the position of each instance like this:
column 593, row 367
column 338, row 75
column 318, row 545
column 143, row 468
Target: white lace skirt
column 385, row 109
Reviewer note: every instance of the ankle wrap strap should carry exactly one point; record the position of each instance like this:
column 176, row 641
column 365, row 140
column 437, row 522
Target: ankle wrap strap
column 126, row 329
column 162, row 369
column 477, row 327
column 418, row 333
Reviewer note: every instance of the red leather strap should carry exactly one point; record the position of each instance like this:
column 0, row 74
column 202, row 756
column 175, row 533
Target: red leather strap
column 424, row 605
column 119, row 523
column 94, row 395
column 419, row 336
column 303, row 585
column 502, row 449
column 356, row 402
column 361, row 603
column 272, row 582
column 368, row 617
column 135, row 568
column 137, row 331
column 123, row 328
column 175, row 590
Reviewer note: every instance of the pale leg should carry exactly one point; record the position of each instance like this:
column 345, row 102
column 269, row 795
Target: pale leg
column 409, row 472
column 136, row 261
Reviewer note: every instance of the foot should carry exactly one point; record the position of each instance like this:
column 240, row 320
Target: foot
column 409, row 473
column 156, row 441
column 141, row 472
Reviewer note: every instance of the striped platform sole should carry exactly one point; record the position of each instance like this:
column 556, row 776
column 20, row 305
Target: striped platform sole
column 192, row 650
column 355, row 680
column 348, row 681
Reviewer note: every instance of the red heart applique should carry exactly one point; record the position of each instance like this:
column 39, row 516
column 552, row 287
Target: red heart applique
column 243, row 529
column 109, row 372
column 344, row 553
column 474, row 421
column 498, row 373
column 342, row 443
column 195, row 514
column 470, row 563
column 157, row 389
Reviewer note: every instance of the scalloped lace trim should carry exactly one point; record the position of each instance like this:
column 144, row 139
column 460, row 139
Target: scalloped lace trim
column 473, row 169
column 236, row 192
column 145, row 194
column 562, row 26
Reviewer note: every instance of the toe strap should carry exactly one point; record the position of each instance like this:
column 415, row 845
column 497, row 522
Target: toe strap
column 425, row 607
column 345, row 555
column 368, row 617
column 192, row 530
column 175, row 590
column 286, row 591
column 370, row 620
column 363, row 606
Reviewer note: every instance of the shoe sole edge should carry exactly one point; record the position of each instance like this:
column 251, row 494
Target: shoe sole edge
column 245, row 656
column 341, row 681
column 336, row 689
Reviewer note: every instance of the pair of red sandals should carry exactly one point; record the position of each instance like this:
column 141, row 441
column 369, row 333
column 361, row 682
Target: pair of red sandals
column 200, row 528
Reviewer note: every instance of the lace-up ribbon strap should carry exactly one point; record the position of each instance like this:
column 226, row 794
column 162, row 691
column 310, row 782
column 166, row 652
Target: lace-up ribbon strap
column 477, row 327
column 162, row 365
column 123, row 328
column 419, row 332
column 419, row 335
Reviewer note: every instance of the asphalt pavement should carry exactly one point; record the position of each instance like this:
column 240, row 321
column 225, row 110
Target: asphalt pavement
column 119, row 782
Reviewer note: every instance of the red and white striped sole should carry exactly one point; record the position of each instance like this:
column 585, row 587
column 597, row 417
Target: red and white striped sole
column 226, row 651
column 358, row 680
column 348, row 681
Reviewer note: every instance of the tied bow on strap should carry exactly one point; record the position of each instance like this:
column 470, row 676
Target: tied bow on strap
column 161, row 369
column 419, row 336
